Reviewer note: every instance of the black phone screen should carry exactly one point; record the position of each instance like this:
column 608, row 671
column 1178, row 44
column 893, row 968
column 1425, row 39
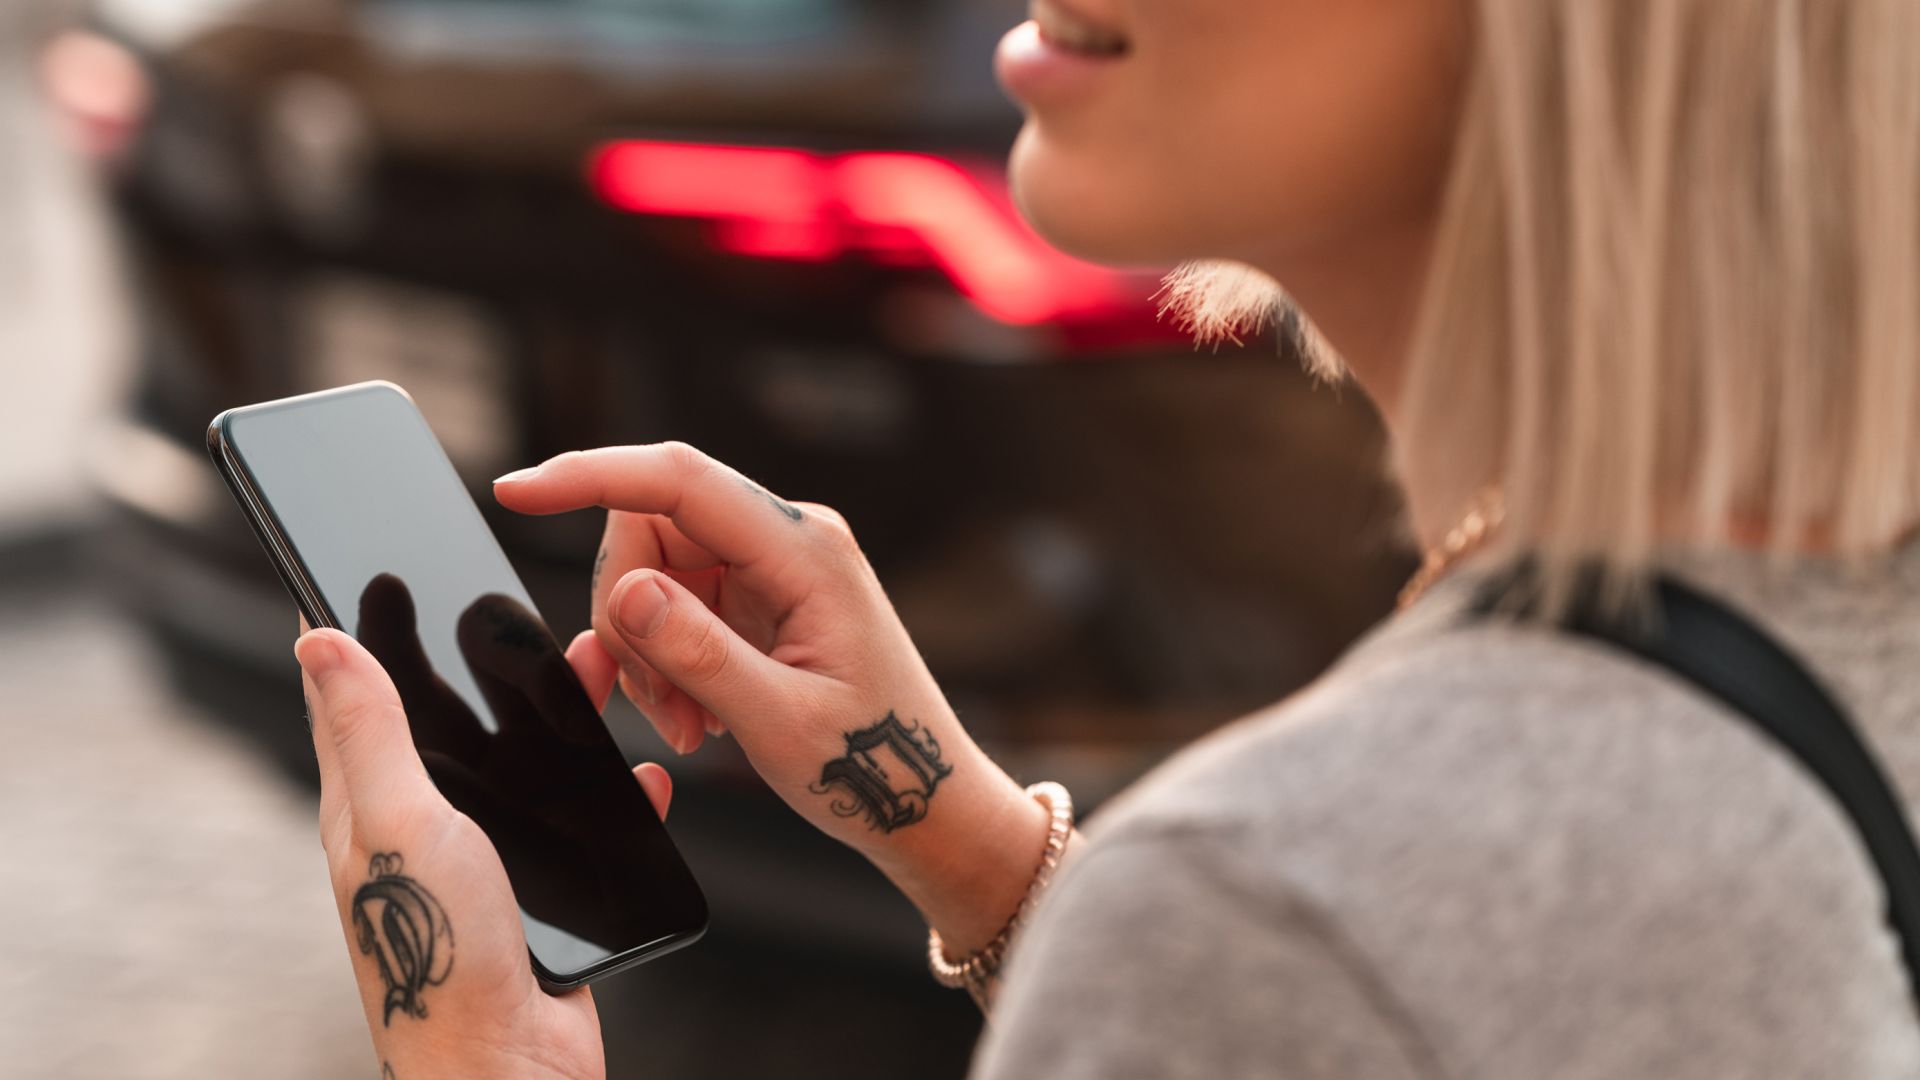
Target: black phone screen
column 363, row 511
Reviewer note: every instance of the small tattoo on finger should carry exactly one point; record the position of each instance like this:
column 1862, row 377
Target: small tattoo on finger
column 792, row 512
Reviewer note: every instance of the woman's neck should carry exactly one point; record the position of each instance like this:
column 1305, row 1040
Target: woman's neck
column 1363, row 297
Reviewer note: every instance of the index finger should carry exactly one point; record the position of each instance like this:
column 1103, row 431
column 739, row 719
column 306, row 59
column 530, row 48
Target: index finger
column 712, row 505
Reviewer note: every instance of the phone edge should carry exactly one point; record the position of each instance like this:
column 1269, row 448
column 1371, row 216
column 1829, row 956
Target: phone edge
column 266, row 530
column 613, row 965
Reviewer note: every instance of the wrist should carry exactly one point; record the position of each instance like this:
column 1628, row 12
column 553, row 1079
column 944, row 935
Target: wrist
column 968, row 864
column 474, row 1050
column 419, row 1061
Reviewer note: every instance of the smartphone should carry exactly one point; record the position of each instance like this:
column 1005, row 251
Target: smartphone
column 375, row 534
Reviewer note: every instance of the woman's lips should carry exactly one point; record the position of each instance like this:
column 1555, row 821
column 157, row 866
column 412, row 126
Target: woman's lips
column 1067, row 27
column 1038, row 69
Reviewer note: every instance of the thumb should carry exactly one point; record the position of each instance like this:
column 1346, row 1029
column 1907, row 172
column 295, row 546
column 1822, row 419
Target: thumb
column 360, row 731
column 691, row 647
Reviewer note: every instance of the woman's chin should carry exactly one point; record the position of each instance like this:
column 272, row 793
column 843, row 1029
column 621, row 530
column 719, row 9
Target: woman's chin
column 1085, row 210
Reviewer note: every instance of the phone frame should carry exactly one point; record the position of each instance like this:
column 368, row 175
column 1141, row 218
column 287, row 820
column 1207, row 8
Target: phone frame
column 294, row 575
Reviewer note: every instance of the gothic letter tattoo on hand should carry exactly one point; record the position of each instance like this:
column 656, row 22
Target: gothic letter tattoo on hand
column 405, row 930
column 888, row 773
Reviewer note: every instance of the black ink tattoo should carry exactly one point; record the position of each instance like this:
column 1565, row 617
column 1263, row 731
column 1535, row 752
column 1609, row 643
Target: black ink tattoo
column 405, row 930
column 599, row 564
column 888, row 773
column 792, row 512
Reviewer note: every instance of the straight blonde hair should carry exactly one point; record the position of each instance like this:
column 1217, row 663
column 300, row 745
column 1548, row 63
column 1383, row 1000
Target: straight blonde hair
column 1676, row 280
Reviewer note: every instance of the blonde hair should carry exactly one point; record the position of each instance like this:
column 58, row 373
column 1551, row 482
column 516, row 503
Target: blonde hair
column 1676, row 281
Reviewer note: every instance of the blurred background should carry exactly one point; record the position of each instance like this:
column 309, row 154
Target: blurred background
column 559, row 224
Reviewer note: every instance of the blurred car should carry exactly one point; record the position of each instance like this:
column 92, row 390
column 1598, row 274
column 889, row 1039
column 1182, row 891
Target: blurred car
column 777, row 229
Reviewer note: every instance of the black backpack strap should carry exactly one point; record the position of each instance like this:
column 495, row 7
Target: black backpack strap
column 1724, row 655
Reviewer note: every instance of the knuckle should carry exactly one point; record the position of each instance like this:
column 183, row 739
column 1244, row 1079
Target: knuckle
column 827, row 517
column 461, row 829
column 685, row 459
column 832, row 529
column 419, row 817
column 705, row 655
column 358, row 720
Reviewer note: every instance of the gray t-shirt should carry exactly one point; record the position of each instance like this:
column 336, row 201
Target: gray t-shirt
column 1477, row 849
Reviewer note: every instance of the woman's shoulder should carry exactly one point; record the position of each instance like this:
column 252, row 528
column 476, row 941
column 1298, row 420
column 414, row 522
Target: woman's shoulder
column 1440, row 712
column 1456, row 789
column 1435, row 712
column 1467, row 823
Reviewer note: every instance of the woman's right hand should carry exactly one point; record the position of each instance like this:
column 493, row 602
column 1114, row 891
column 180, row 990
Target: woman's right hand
column 730, row 609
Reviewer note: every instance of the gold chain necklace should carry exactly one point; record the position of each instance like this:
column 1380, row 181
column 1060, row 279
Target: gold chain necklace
column 1465, row 538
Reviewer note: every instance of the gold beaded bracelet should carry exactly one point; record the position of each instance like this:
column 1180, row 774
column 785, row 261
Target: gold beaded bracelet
column 977, row 971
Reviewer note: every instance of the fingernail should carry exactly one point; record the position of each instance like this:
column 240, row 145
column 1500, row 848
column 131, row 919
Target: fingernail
column 642, row 610
column 316, row 654
column 518, row 475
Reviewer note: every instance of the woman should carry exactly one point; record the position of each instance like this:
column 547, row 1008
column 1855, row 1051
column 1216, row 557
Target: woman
column 1649, row 269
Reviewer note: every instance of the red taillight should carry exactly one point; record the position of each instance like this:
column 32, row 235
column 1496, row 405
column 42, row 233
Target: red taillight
column 891, row 207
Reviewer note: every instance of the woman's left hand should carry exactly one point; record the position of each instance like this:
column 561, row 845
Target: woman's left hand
column 430, row 918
